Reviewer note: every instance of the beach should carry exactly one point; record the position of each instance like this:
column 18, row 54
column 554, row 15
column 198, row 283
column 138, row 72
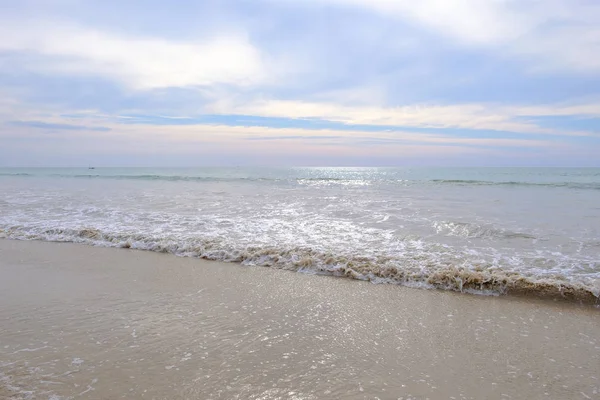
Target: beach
column 99, row 323
column 304, row 200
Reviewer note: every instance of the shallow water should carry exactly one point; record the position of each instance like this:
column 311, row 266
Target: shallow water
column 533, row 231
column 79, row 322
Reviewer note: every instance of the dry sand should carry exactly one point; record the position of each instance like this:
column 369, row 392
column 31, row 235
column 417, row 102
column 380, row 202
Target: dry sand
column 96, row 323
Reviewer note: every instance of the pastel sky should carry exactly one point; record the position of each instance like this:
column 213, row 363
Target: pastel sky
column 299, row 82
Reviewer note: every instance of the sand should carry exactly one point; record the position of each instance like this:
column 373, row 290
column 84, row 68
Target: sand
column 97, row 323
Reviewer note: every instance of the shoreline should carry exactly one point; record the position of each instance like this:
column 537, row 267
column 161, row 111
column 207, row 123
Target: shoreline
column 451, row 279
column 93, row 322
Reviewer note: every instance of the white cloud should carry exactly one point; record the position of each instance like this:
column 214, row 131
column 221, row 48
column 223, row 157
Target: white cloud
column 223, row 144
column 237, row 135
column 573, row 48
column 138, row 62
column 469, row 21
column 549, row 34
column 464, row 116
column 567, row 109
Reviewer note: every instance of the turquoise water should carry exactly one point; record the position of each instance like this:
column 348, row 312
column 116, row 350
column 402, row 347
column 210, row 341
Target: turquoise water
column 481, row 230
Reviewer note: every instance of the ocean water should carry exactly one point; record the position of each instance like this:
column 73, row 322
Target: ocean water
column 529, row 231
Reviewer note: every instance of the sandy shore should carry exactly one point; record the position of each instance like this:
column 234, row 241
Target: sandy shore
column 97, row 323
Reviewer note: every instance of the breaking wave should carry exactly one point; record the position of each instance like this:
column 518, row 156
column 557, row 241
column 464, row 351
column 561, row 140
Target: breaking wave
column 469, row 230
column 448, row 274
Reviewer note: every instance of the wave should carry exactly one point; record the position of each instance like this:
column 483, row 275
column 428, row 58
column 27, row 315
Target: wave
column 190, row 178
column 15, row 174
column 569, row 185
column 147, row 177
column 472, row 231
column 476, row 279
column 314, row 180
column 162, row 178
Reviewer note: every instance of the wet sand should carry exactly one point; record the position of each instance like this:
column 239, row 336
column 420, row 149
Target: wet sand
column 98, row 323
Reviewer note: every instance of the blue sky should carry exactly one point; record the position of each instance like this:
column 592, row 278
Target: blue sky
column 300, row 82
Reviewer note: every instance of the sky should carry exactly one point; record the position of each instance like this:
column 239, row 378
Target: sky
column 300, row 82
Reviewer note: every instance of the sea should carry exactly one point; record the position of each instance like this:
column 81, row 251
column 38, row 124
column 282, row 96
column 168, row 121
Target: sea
column 488, row 231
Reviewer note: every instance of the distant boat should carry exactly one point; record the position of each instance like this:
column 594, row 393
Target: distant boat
column 91, row 167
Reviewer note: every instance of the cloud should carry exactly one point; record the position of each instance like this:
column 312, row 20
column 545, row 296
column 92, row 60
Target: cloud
column 145, row 144
column 588, row 109
column 235, row 135
column 570, row 48
column 297, row 137
column 463, row 116
column 297, row 77
column 549, row 34
column 55, row 126
column 469, row 21
column 137, row 62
